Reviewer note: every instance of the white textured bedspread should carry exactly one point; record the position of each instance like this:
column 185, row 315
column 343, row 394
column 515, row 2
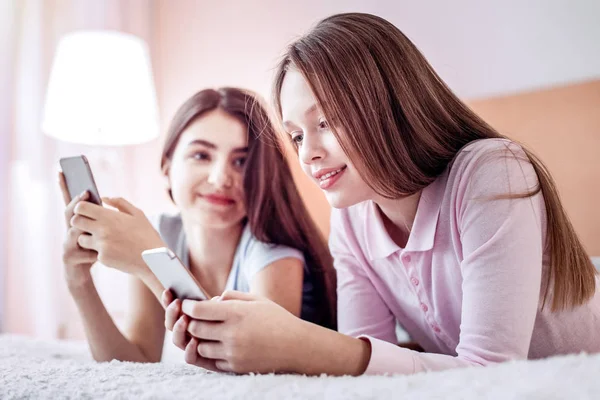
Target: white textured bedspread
column 56, row 370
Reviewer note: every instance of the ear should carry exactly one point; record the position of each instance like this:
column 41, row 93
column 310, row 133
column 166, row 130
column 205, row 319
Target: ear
column 166, row 178
column 165, row 169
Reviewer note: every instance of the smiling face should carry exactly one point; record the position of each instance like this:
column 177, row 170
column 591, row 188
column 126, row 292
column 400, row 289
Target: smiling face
column 320, row 154
column 205, row 172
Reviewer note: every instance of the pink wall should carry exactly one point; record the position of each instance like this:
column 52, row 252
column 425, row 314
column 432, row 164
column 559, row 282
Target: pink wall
column 562, row 126
column 199, row 46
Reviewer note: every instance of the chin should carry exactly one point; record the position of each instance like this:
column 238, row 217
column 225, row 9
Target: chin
column 338, row 200
column 215, row 219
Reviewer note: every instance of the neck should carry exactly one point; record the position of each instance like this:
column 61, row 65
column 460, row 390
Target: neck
column 211, row 252
column 399, row 216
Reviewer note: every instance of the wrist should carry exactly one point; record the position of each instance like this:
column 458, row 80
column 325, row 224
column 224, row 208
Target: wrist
column 316, row 350
column 148, row 278
column 296, row 357
column 363, row 356
column 81, row 284
column 142, row 271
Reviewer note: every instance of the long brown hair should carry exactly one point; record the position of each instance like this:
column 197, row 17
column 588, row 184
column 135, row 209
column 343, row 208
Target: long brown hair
column 404, row 126
column 276, row 213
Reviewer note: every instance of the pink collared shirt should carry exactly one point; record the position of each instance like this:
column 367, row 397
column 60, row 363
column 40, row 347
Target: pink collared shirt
column 467, row 287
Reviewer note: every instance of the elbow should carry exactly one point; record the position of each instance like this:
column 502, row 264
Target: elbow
column 490, row 359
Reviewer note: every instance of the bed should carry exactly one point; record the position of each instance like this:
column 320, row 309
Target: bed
column 43, row 369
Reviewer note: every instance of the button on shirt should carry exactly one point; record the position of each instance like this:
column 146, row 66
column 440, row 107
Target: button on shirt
column 467, row 286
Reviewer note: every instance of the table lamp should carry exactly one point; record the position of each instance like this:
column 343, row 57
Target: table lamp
column 101, row 91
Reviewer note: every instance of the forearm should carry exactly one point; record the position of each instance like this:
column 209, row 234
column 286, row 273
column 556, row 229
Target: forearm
column 319, row 350
column 105, row 340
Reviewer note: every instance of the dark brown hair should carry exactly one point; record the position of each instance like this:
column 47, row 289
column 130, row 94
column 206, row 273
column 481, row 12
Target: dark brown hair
column 403, row 126
column 275, row 211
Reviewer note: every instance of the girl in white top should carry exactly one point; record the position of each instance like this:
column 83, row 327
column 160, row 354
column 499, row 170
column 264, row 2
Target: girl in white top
column 241, row 225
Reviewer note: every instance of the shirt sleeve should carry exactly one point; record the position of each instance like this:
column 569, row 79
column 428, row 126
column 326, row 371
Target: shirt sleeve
column 361, row 310
column 155, row 221
column 502, row 250
column 260, row 255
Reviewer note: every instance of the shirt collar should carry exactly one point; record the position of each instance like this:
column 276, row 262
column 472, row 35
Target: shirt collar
column 379, row 245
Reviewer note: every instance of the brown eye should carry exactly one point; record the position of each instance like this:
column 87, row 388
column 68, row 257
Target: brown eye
column 323, row 124
column 297, row 139
column 240, row 162
column 200, row 156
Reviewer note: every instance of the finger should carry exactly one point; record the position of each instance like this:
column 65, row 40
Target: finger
column 205, row 330
column 73, row 253
column 236, row 295
column 73, row 245
column 223, row 366
column 195, row 359
column 88, row 209
column 206, row 310
column 73, row 234
column 86, row 241
column 85, row 256
column 172, row 314
column 63, row 188
column 84, row 224
column 190, row 352
column 72, row 204
column 180, row 336
column 166, row 298
column 211, row 349
column 121, row 204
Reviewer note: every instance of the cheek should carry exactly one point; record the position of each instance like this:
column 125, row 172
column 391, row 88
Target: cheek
column 239, row 190
column 187, row 175
column 306, row 168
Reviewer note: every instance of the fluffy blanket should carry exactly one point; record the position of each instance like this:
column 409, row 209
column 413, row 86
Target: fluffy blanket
column 39, row 369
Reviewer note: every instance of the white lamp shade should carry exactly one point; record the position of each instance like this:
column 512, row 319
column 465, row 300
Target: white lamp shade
column 101, row 90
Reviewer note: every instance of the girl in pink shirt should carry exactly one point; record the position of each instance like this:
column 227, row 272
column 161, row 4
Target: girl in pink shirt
column 440, row 224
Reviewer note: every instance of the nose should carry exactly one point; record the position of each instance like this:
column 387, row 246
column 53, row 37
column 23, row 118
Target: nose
column 312, row 149
column 220, row 176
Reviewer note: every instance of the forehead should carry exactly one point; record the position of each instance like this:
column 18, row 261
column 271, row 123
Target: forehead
column 296, row 96
column 217, row 127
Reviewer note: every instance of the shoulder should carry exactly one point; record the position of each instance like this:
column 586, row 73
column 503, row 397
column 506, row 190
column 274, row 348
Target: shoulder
column 492, row 166
column 488, row 155
column 255, row 254
column 169, row 226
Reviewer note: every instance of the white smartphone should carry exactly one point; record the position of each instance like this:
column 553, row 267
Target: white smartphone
column 79, row 177
column 173, row 275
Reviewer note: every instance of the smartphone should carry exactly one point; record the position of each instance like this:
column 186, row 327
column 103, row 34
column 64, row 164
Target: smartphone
column 173, row 275
column 79, row 178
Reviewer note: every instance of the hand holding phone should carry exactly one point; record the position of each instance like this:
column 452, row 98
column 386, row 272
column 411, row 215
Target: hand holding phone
column 75, row 178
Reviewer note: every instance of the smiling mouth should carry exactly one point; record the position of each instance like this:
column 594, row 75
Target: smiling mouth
column 330, row 178
column 218, row 200
column 330, row 174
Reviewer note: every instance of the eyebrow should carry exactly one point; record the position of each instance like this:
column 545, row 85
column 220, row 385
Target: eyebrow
column 213, row 146
column 308, row 111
